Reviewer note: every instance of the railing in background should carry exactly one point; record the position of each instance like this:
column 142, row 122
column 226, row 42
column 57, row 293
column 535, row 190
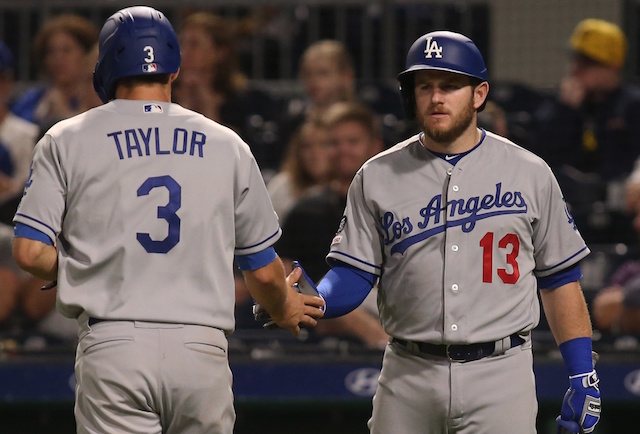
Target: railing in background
column 273, row 34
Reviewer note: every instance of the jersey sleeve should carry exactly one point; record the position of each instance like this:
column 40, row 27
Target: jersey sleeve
column 256, row 222
column 43, row 203
column 357, row 242
column 558, row 244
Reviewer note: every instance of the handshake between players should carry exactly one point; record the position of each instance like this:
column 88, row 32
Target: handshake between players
column 303, row 305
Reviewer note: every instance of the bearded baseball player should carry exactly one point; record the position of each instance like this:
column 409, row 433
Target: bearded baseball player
column 138, row 208
column 460, row 228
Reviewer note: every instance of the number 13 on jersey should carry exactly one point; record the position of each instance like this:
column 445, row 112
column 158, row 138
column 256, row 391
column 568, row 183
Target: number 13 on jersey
column 510, row 245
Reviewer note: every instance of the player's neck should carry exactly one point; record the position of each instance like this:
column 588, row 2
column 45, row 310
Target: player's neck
column 145, row 92
column 463, row 143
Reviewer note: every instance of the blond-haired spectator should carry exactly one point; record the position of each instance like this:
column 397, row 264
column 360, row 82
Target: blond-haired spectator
column 327, row 76
column 306, row 166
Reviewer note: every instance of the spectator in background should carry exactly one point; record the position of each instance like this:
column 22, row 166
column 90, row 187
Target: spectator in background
column 23, row 306
column 589, row 133
column 632, row 190
column 328, row 76
column 17, row 139
column 355, row 136
column 64, row 49
column 616, row 308
column 9, row 280
column 306, row 165
column 594, row 123
column 494, row 119
column 212, row 84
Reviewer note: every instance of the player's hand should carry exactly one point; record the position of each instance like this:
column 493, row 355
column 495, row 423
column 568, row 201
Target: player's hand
column 302, row 307
column 581, row 404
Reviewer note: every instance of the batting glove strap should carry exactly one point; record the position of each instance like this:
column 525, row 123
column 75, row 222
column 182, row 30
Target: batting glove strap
column 587, row 380
column 581, row 404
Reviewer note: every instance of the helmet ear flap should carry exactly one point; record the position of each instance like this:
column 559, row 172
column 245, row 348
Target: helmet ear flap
column 407, row 92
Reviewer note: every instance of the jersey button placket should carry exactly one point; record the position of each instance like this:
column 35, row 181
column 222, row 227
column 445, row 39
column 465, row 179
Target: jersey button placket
column 454, row 247
column 454, row 287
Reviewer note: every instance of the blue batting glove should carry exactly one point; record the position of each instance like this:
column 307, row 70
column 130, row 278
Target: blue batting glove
column 581, row 404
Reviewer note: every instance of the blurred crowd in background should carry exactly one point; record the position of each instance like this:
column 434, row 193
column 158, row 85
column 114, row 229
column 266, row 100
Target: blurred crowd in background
column 309, row 143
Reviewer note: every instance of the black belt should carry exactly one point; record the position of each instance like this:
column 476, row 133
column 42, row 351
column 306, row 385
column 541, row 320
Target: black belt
column 457, row 353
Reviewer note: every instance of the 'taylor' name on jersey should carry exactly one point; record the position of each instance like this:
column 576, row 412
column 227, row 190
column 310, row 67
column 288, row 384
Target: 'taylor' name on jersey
column 136, row 142
column 469, row 212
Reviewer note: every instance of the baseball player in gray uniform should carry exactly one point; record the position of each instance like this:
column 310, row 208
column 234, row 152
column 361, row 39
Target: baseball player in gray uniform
column 138, row 208
column 460, row 228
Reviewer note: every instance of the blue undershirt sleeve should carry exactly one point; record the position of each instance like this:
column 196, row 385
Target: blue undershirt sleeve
column 344, row 288
column 256, row 260
column 560, row 278
column 25, row 231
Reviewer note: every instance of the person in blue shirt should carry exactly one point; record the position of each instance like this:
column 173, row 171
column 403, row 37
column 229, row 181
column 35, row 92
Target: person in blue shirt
column 65, row 49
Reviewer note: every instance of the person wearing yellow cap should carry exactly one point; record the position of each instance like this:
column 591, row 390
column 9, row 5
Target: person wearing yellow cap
column 592, row 126
column 598, row 53
column 601, row 41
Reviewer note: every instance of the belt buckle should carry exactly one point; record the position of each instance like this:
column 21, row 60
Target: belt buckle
column 452, row 359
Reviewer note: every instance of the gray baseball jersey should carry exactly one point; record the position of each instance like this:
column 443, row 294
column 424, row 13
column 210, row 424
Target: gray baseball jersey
column 149, row 203
column 457, row 248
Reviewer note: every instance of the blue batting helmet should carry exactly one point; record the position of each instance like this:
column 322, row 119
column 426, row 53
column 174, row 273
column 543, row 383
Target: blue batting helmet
column 134, row 41
column 443, row 51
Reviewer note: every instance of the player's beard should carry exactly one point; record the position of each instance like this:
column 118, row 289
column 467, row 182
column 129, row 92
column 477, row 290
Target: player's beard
column 459, row 125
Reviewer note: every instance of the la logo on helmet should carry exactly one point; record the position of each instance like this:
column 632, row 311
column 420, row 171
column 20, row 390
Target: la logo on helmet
column 431, row 48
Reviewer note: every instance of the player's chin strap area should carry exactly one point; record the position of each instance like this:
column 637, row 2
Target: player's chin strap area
column 461, row 353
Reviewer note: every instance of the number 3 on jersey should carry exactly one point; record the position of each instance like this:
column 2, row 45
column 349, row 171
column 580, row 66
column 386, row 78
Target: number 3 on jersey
column 510, row 243
column 167, row 212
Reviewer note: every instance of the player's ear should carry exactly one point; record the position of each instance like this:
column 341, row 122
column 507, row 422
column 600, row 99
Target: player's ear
column 480, row 93
column 174, row 75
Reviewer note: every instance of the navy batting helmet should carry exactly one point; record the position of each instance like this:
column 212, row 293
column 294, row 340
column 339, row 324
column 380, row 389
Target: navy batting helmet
column 134, row 41
column 443, row 51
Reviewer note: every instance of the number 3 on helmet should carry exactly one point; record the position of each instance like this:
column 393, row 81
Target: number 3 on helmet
column 134, row 41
